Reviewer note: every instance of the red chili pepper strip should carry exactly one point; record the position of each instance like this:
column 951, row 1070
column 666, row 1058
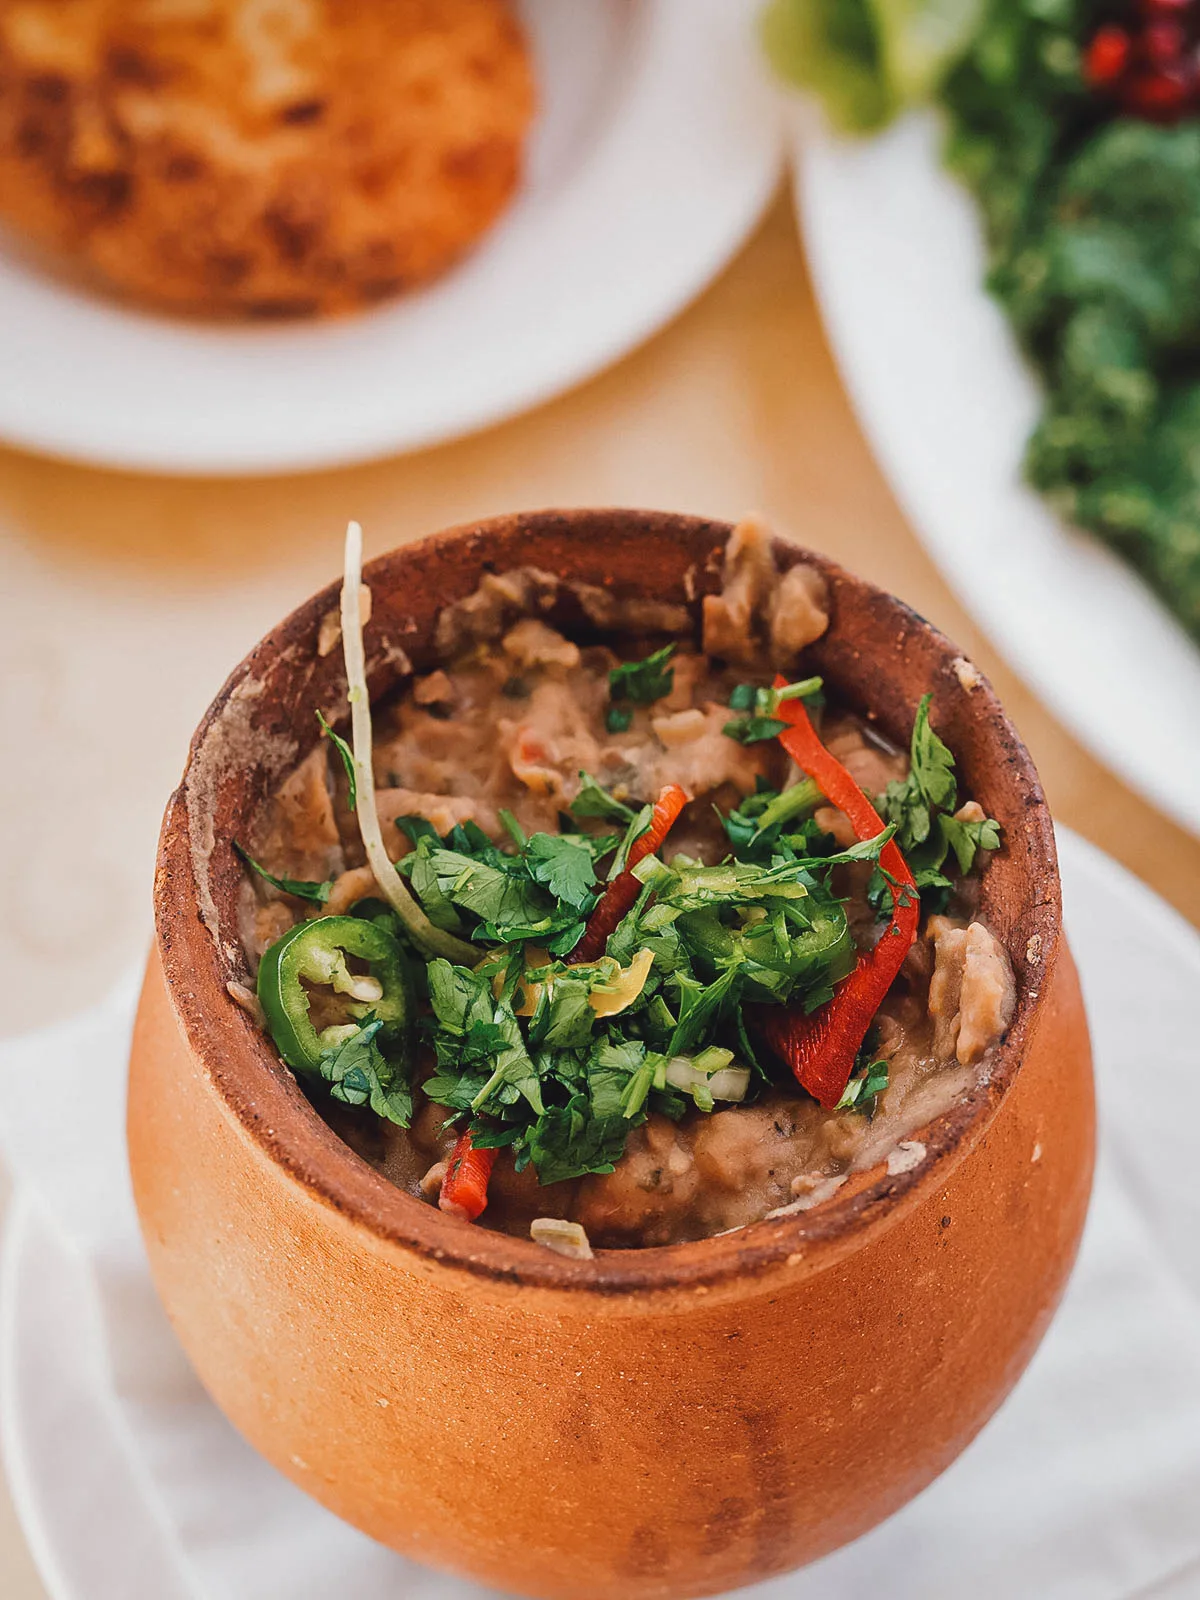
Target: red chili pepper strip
column 465, row 1186
column 623, row 891
column 820, row 1048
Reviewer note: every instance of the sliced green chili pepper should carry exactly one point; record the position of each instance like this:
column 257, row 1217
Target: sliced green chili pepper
column 315, row 953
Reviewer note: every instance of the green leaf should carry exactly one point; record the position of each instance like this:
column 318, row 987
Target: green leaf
column 919, row 808
column 763, row 723
column 347, row 755
column 593, row 800
column 632, row 834
column 564, row 865
column 514, row 829
column 868, row 59
column 567, row 1020
column 867, row 1082
column 318, row 893
column 753, row 730
column 731, row 883
column 832, row 47
column 568, row 1142
column 702, row 1011
column 423, row 876
column 497, row 895
column 460, row 998
column 566, row 939
column 932, row 765
column 966, row 839
column 513, row 1065
column 454, row 1089
column 618, row 719
column 469, row 839
column 611, row 1066
column 643, row 681
column 359, row 1074
column 417, row 828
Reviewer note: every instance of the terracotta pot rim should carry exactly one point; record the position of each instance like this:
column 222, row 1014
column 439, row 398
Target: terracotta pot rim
column 262, row 1097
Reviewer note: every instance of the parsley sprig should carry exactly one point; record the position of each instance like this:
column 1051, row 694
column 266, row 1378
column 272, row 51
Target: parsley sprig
column 762, row 723
column 302, row 888
column 638, row 683
column 559, row 1062
column 921, row 809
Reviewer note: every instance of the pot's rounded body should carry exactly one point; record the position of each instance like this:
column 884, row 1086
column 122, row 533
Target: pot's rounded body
column 652, row 1423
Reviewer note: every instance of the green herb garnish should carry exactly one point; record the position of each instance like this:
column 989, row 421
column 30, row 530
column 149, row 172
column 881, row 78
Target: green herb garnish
column 525, row 1057
column 643, row 681
column 762, row 723
column 347, row 755
column 865, row 1086
column 358, row 1074
column 595, row 801
column 302, row 888
column 921, row 808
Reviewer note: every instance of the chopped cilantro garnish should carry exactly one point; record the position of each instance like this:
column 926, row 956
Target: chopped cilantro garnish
column 967, row 838
column 753, row 730
column 643, row 681
column 512, row 827
column 347, row 755
column 564, row 864
column 595, row 801
column 525, row 1047
column 302, row 888
column 867, row 1083
column 762, row 723
column 617, row 719
column 358, row 1073
column 558, row 1062
column 921, row 809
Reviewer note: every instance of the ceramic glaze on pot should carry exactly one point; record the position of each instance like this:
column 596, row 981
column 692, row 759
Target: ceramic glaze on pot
column 654, row 1422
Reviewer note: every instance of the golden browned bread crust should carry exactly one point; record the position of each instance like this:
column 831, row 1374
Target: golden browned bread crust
column 260, row 156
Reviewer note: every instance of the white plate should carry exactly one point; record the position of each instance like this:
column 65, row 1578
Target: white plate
column 896, row 250
column 656, row 149
column 131, row 1486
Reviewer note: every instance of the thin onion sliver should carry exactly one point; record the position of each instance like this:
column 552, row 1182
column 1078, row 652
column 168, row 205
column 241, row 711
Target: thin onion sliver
column 392, row 886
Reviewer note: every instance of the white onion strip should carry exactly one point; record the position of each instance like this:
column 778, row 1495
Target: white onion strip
column 392, row 886
column 727, row 1083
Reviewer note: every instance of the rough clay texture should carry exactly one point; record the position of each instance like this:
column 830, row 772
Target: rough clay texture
column 651, row 1423
column 567, row 1445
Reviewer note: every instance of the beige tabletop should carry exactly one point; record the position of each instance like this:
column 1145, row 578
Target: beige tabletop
column 125, row 601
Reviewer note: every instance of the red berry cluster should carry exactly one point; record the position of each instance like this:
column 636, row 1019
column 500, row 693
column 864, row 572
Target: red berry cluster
column 1152, row 66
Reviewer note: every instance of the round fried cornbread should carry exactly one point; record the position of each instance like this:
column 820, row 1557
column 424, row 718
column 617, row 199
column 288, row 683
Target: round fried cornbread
column 260, row 156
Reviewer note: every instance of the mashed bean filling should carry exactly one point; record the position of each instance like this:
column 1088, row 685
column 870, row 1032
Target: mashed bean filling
column 498, row 737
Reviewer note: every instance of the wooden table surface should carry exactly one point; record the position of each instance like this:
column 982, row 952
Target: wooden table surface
column 125, row 600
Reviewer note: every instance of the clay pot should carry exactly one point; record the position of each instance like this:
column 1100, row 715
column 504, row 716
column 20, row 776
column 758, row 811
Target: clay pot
column 662, row 1422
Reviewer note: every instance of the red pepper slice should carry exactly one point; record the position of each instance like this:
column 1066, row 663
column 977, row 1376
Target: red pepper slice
column 623, row 891
column 465, row 1186
column 820, row 1047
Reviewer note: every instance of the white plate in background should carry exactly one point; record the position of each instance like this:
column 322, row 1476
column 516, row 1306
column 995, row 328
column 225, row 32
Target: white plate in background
column 655, row 150
column 895, row 245
column 132, row 1486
